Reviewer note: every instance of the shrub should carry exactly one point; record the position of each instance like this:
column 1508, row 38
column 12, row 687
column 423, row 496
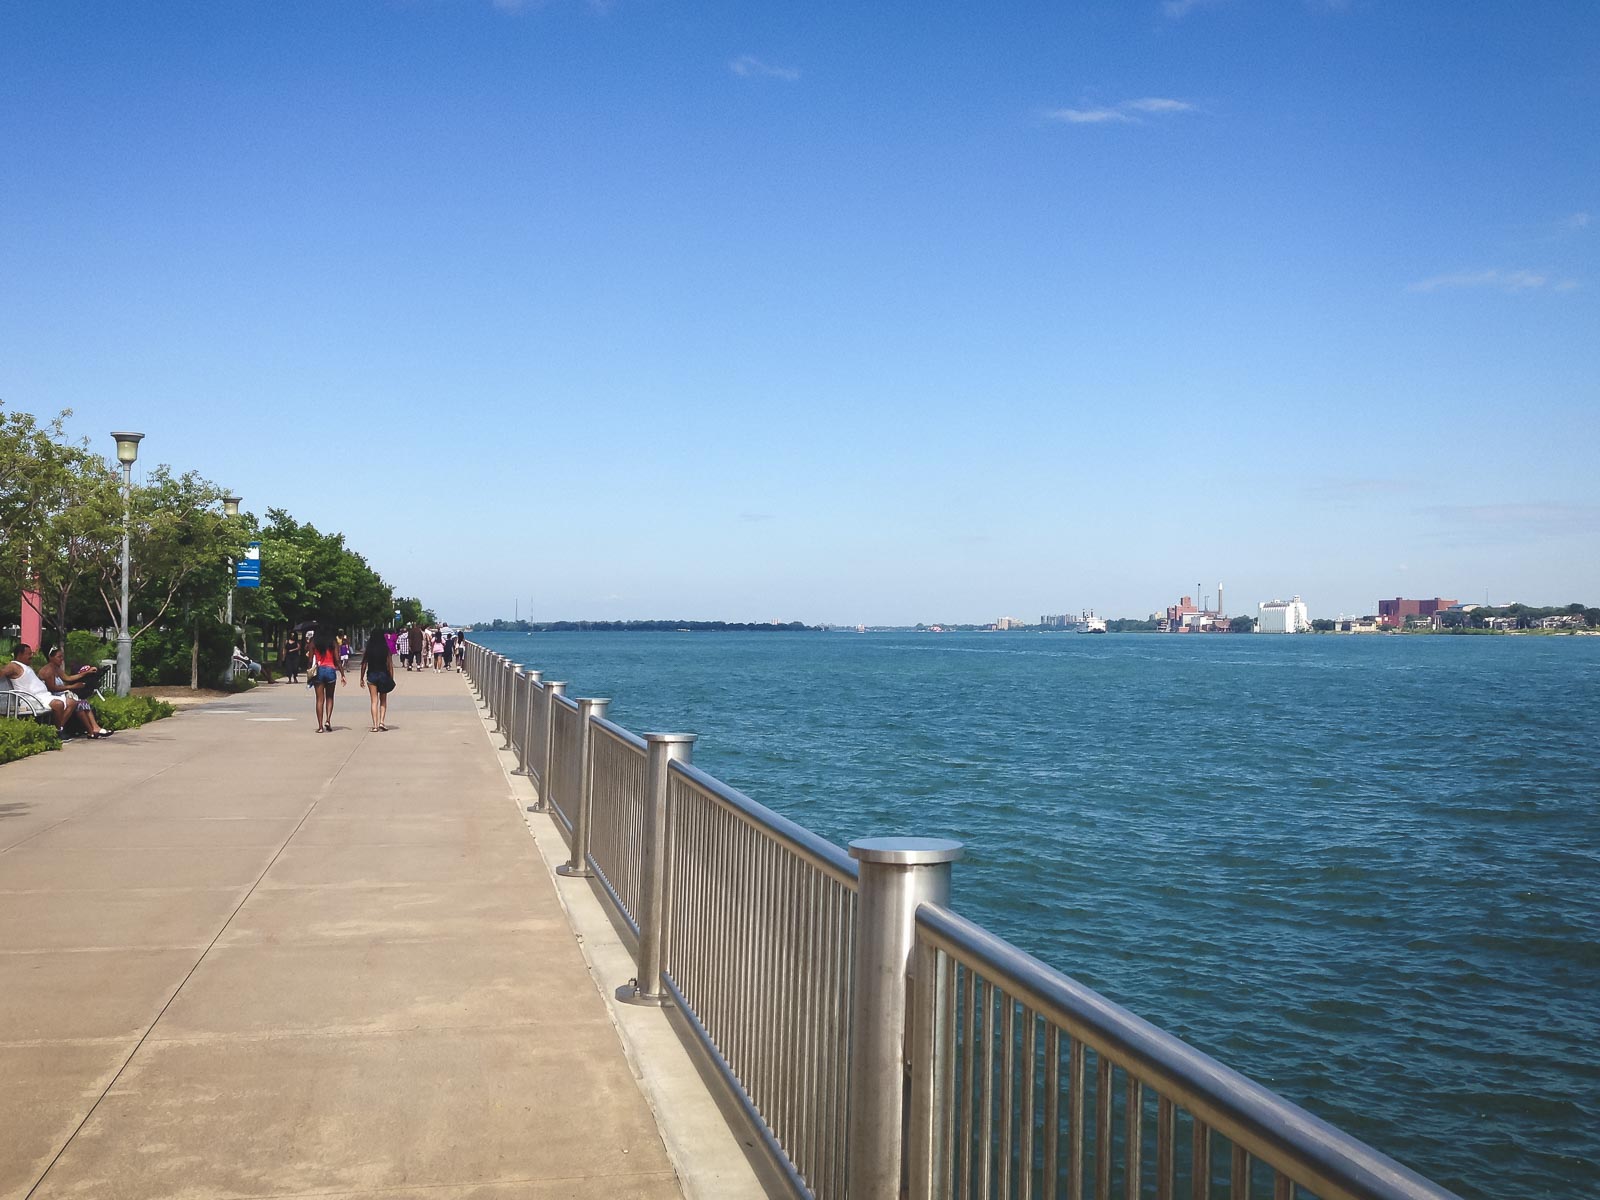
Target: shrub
column 130, row 712
column 20, row 738
column 162, row 655
column 85, row 649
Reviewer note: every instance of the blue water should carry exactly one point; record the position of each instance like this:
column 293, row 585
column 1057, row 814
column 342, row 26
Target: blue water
column 1364, row 871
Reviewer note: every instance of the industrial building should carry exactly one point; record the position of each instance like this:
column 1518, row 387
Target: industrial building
column 1187, row 617
column 1282, row 616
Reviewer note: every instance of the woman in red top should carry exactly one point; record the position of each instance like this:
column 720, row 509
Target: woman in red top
column 327, row 673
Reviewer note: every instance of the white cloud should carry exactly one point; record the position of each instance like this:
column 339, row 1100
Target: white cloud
column 748, row 66
column 1087, row 116
column 1158, row 104
column 1177, row 9
column 1504, row 281
column 600, row 7
column 1577, row 221
column 1127, row 112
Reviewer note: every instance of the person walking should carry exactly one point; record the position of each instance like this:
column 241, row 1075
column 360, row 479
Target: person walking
column 327, row 673
column 438, row 651
column 291, row 657
column 377, row 673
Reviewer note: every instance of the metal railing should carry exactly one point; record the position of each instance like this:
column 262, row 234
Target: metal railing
column 882, row 1044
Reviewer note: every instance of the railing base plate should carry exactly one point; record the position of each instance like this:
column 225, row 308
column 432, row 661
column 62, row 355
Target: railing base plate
column 629, row 993
column 572, row 872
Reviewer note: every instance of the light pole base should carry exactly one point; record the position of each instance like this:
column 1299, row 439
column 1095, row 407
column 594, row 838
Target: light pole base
column 572, row 872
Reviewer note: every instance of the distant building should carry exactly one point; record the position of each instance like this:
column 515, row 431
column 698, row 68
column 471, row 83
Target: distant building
column 1054, row 621
column 1393, row 613
column 1282, row 616
column 1358, row 625
column 1006, row 623
column 1187, row 617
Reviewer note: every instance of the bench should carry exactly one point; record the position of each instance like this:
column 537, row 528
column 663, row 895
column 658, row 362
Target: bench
column 20, row 704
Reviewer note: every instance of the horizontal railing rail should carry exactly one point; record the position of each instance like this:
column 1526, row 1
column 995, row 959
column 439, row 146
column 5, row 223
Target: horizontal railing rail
column 1049, row 1132
column 882, row 1044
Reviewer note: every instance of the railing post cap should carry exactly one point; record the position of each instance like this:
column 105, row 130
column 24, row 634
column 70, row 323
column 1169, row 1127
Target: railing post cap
column 594, row 699
column 670, row 738
column 555, row 683
column 906, row 851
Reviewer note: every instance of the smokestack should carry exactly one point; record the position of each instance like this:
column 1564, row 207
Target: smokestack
column 1221, row 612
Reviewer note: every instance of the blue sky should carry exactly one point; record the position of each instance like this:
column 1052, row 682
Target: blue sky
column 834, row 312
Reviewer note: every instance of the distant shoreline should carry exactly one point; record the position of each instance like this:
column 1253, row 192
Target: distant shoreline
column 503, row 626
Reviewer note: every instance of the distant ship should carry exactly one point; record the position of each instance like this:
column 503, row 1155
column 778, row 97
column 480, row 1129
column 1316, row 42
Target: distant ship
column 1089, row 623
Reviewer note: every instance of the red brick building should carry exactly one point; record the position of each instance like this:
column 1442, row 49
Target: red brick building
column 1393, row 613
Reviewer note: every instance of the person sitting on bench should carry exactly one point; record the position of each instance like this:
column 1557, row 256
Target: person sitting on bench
column 24, row 679
column 55, row 677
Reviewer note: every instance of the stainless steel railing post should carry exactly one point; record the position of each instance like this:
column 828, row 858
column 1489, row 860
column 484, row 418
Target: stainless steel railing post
column 897, row 874
column 513, row 713
column 508, row 700
column 530, row 680
column 552, row 691
column 655, row 895
column 577, row 867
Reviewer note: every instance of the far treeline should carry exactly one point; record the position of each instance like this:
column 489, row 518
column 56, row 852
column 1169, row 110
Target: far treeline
column 503, row 626
column 1485, row 619
column 61, row 521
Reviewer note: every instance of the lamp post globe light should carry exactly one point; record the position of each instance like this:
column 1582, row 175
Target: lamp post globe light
column 230, row 508
column 127, row 452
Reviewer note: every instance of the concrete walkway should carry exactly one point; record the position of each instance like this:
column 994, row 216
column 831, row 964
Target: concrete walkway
column 239, row 958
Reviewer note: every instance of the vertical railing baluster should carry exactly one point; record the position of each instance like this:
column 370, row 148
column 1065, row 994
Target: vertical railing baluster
column 1052, row 1110
column 1030, row 1051
column 1133, row 1140
column 1102, row 1127
column 1008, row 1056
column 987, row 1010
column 1075, row 1130
column 1200, row 1162
column 1239, row 1174
column 1166, row 1126
column 969, row 1034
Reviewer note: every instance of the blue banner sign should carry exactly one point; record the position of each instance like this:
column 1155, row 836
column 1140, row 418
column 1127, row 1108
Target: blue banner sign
column 247, row 572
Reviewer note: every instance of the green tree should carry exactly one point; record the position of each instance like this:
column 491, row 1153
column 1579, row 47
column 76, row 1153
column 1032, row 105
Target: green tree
column 1324, row 625
column 1242, row 624
column 180, row 546
column 50, row 493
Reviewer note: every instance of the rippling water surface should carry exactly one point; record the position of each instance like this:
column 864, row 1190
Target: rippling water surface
column 1364, row 871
